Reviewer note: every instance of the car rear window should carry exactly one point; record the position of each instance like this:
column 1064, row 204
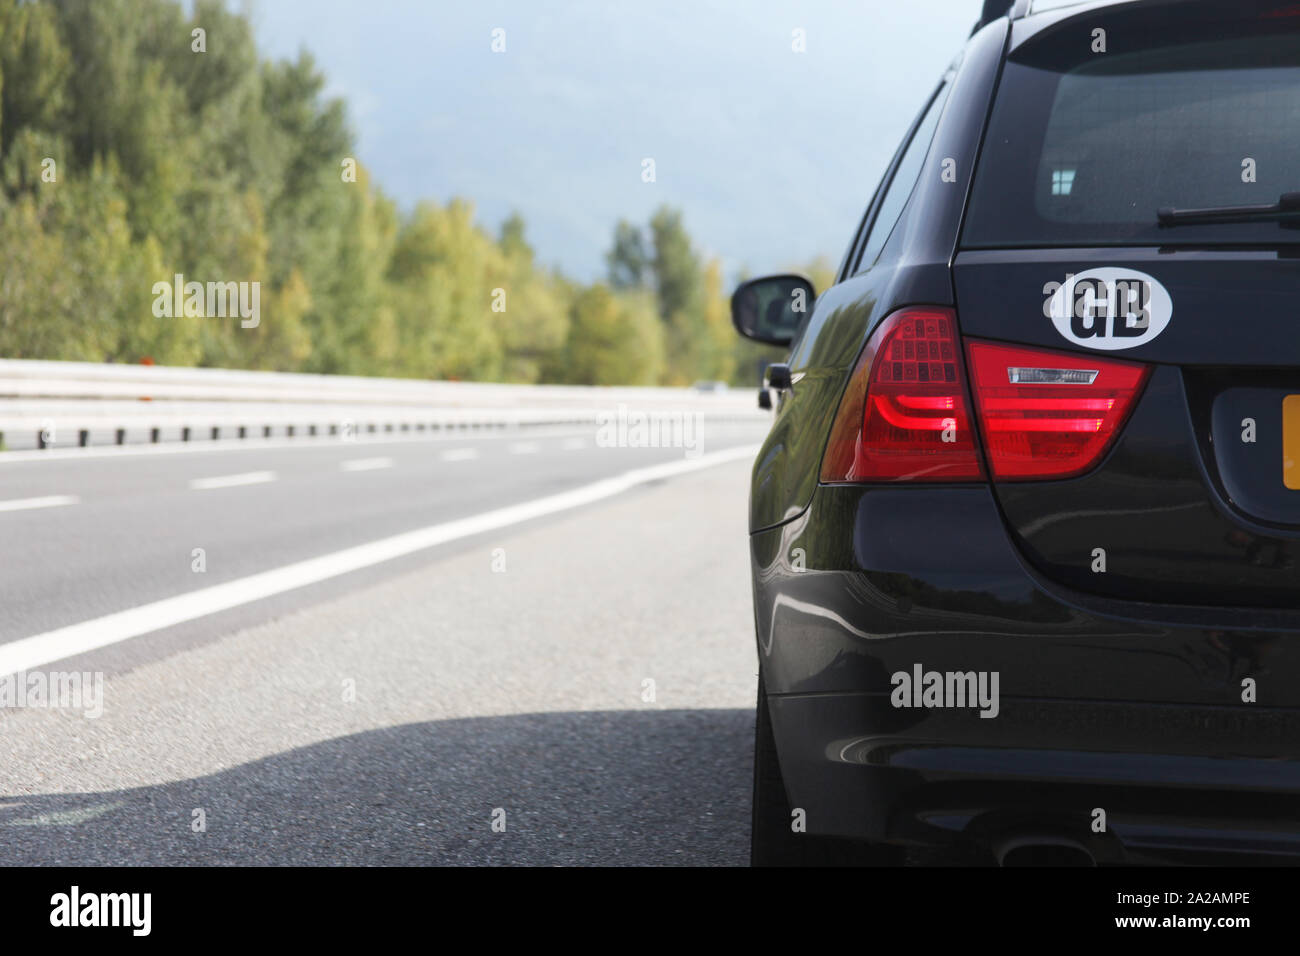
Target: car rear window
column 1085, row 146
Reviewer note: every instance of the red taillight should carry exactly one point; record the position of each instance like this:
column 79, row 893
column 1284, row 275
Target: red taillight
column 1048, row 414
column 904, row 415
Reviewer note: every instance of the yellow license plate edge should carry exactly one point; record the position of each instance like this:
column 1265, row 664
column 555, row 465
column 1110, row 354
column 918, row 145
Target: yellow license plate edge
column 1291, row 442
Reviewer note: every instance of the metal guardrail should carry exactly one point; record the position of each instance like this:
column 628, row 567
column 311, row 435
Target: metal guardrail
column 62, row 404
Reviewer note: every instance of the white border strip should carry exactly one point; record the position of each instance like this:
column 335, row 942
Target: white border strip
column 49, row 501
column 232, row 481
column 366, row 464
column 39, row 650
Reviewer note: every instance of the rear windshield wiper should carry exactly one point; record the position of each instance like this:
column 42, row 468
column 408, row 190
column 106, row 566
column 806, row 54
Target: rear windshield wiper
column 1286, row 210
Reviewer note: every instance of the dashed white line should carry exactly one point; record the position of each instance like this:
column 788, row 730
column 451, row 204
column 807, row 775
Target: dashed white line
column 41, row 649
column 366, row 464
column 231, row 481
column 49, row 501
column 451, row 436
column 459, row 454
column 524, row 448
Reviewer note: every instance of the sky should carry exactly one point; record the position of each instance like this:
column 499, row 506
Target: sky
column 771, row 154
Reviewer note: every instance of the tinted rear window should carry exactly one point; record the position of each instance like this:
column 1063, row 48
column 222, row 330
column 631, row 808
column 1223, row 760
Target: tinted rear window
column 1084, row 149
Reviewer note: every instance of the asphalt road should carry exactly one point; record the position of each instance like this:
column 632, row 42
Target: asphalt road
column 585, row 679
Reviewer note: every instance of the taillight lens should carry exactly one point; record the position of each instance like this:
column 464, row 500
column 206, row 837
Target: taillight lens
column 904, row 415
column 1049, row 414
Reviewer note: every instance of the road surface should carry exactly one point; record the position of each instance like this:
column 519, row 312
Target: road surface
column 572, row 689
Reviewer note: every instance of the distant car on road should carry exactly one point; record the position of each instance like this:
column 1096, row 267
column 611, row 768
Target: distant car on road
column 1025, row 531
column 710, row 386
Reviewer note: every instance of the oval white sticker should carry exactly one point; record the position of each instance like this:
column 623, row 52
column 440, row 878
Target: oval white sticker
column 1108, row 308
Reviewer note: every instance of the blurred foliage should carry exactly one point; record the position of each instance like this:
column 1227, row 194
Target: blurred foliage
column 127, row 157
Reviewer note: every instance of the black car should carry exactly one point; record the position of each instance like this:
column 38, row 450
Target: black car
column 1025, row 532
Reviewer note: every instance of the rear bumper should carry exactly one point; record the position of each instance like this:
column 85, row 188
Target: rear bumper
column 1139, row 714
column 944, row 779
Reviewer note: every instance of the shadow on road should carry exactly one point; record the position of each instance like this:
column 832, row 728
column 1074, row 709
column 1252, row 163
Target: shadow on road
column 647, row 787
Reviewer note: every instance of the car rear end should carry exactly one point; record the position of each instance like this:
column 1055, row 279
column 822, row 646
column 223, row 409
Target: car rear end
column 1047, row 595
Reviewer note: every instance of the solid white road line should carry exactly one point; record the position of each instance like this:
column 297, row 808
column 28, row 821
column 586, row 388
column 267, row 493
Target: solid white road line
column 524, row 448
column 459, row 454
column 231, row 481
column 41, row 649
column 366, row 464
column 49, row 501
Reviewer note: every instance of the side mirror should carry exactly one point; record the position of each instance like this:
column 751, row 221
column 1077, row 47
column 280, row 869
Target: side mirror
column 771, row 309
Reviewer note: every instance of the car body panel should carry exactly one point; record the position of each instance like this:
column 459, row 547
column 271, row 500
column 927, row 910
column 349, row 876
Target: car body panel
column 1142, row 715
column 825, row 352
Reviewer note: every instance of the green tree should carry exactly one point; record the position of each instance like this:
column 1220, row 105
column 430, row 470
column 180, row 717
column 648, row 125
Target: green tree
column 37, row 64
column 512, row 240
column 627, row 260
column 675, row 265
column 613, row 340
column 443, row 266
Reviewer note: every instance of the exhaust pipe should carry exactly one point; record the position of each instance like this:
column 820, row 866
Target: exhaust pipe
column 1042, row 849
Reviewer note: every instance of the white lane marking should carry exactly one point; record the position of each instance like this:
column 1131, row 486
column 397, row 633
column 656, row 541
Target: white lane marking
column 49, row 501
column 41, row 649
column 524, row 448
column 366, row 464
column 573, row 444
column 231, row 481
column 459, row 454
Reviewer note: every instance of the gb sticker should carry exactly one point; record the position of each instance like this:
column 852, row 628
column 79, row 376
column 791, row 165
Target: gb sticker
column 1108, row 308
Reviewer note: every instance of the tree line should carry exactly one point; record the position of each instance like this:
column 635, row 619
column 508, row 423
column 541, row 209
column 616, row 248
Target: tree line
column 139, row 143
